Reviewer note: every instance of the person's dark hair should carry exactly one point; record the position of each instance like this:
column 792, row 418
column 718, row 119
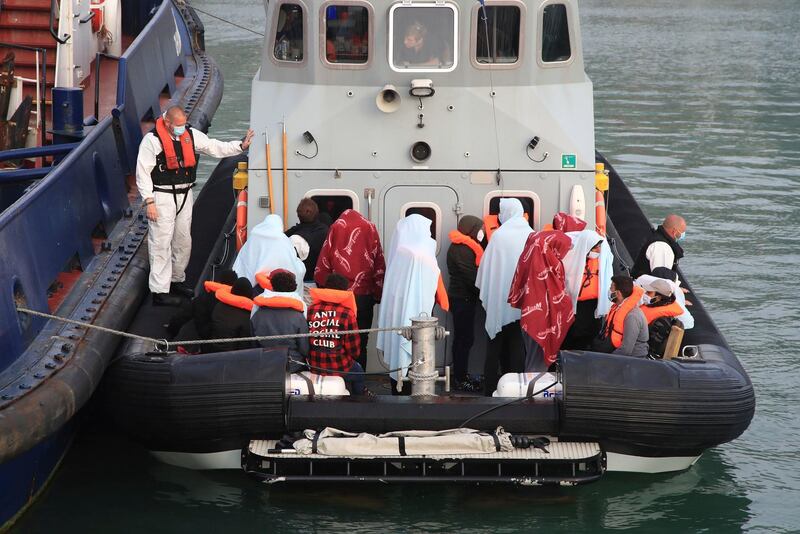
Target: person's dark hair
column 242, row 287
column 624, row 284
column 283, row 282
column 665, row 273
column 307, row 210
column 227, row 277
column 336, row 281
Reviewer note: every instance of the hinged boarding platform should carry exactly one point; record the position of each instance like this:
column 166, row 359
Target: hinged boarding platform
column 559, row 463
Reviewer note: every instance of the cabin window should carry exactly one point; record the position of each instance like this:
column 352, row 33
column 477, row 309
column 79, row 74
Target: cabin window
column 430, row 211
column 555, row 34
column 529, row 200
column 289, row 34
column 346, row 28
column 332, row 202
column 422, row 37
column 496, row 34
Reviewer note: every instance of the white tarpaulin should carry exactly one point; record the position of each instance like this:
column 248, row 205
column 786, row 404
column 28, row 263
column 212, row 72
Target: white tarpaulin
column 455, row 442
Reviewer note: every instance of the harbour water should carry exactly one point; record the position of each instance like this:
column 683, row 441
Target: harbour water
column 698, row 108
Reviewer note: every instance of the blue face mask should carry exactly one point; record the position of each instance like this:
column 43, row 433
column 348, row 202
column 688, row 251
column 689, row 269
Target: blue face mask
column 680, row 237
column 178, row 130
column 612, row 295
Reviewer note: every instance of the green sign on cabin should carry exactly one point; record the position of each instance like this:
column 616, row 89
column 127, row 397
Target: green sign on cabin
column 568, row 161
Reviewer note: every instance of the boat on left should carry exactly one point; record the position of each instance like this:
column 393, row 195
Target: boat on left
column 80, row 84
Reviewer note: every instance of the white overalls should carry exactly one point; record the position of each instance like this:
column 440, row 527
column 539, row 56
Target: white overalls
column 169, row 239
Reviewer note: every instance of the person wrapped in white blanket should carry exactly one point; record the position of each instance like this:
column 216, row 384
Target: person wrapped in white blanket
column 588, row 270
column 505, row 349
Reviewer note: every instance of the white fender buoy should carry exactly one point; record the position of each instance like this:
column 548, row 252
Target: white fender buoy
column 577, row 203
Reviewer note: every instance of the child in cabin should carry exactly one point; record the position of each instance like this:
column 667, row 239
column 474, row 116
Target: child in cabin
column 281, row 311
column 334, row 310
column 231, row 316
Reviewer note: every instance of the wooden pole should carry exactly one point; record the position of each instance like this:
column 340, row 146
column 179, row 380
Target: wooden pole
column 269, row 175
column 285, row 180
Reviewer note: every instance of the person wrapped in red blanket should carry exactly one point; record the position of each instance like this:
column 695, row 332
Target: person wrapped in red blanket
column 539, row 291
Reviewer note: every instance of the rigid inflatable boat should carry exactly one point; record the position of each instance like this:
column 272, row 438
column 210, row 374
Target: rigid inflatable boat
column 370, row 130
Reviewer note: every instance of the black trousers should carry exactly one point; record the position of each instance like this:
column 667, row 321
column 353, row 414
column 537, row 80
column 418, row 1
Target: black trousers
column 504, row 354
column 463, row 335
column 585, row 327
column 365, row 305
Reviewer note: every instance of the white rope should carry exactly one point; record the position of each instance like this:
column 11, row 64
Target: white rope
column 163, row 344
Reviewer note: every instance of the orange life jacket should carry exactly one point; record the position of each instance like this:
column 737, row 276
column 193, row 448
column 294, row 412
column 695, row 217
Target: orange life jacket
column 336, row 296
column 279, row 302
column 615, row 320
column 492, row 223
column 212, row 286
column 441, row 295
column 262, row 278
column 651, row 313
column 224, row 295
column 590, row 286
column 458, row 238
column 187, row 147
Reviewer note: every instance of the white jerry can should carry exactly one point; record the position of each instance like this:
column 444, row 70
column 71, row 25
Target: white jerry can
column 323, row 384
column 515, row 385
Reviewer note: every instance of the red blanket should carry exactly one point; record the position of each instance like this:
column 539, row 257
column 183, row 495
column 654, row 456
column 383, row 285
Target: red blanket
column 539, row 291
column 353, row 249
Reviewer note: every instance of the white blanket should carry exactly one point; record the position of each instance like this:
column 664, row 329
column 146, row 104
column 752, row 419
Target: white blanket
column 448, row 443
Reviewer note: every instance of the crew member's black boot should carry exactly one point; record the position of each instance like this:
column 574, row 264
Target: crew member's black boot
column 179, row 288
column 165, row 299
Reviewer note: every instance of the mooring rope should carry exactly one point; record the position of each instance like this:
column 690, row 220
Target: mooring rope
column 163, row 344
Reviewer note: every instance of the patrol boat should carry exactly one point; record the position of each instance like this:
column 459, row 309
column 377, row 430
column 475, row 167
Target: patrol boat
column 79, row 84
column 499, row 106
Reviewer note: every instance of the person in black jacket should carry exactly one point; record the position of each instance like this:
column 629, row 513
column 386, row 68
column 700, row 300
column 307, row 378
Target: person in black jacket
column 194, row 318
column 231, row 316
column 463, row 258
column 661, row 249
column 308, row 235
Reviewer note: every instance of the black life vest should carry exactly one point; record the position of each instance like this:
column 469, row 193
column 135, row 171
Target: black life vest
column 642, row 264
column 163, row 178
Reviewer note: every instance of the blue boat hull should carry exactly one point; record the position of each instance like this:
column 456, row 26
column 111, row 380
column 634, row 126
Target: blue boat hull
column 27, row 475
column 48, row 369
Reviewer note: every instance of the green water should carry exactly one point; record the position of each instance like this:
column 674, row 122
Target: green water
column 698, row 107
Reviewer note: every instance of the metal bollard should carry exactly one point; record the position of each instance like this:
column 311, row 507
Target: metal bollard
column 423, row 375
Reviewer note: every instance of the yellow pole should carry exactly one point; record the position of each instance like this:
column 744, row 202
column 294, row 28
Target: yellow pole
column 285, row 180
column 269, row 175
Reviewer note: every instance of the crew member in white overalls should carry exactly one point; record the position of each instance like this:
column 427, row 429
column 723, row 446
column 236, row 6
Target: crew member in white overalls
column 165, row 173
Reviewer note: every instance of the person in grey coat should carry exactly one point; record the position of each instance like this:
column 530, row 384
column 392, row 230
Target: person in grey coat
column 282, row 311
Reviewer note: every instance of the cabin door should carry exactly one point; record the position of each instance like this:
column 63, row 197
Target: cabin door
column 437, row 203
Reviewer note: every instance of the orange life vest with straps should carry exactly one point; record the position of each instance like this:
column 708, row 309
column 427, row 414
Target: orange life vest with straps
column 187, row 147
column 589, row 285
column 336, row 296
column 458, row 238
column 212, row 287
column 225, row 296
column 279, row 302
column 614, row 326
column 651, row 313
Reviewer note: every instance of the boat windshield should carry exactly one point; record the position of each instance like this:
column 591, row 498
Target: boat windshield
column 423, row 37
